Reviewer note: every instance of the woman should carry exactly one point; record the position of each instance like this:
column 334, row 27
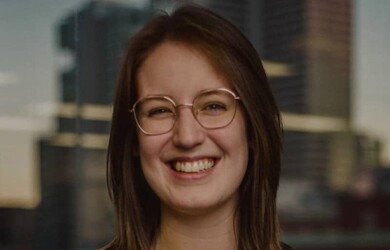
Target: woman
column 194, row 151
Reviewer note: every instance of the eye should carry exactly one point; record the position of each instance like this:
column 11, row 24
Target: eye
column 160, row 112
column 213, row 108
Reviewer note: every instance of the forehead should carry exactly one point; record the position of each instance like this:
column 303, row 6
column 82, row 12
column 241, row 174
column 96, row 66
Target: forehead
column 173, row 67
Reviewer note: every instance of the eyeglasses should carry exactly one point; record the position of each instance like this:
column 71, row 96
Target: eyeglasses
column 156, row 115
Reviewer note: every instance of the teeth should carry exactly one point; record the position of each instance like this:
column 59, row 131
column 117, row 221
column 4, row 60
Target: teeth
column 194, row 166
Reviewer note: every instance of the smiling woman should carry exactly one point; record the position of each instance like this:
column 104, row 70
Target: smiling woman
column 195, row 163
column 189, row 144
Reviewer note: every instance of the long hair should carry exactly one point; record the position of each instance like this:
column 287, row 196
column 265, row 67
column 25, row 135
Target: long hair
column 231, row 54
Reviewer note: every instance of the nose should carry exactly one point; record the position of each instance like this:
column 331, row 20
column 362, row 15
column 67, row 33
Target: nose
column 188, row 133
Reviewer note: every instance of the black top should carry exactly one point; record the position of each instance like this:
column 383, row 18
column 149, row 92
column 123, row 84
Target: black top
column 286, row 247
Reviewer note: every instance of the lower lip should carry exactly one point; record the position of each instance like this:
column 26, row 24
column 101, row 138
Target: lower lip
column 192, row 176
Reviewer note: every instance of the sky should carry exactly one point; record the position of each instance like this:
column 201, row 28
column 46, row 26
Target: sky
column 371, row 91
column 30, row 62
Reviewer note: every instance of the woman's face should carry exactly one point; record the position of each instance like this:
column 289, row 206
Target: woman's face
column 181, row 73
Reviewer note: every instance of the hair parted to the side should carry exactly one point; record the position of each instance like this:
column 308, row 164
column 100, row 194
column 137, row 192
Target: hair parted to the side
column 137, row 207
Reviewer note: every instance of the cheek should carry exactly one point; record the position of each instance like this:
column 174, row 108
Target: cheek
column 150, row 148
column 234, row 140
column 147, row 149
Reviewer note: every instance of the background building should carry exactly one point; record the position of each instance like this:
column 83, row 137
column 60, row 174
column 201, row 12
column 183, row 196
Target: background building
column 16, row 228
column 75, row 212
column 315, row 38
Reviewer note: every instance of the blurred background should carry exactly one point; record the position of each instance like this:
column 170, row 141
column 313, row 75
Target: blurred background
column 328, row 63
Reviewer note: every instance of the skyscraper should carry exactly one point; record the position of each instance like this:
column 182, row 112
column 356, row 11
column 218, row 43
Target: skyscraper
column 315, row 38
column 75, row 212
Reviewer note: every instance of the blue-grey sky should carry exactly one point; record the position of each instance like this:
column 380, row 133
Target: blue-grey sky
column 29, row 63
column 371, row 91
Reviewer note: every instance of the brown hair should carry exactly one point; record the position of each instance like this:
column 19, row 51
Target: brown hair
column 137, row 207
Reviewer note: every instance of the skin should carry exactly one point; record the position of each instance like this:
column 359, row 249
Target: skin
column 197, row 210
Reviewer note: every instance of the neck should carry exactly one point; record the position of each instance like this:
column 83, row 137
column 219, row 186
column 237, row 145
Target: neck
column 214, row 230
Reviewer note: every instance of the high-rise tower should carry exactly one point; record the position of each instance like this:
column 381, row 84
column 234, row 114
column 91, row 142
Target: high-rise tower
column 315, row 39
column 75, row 212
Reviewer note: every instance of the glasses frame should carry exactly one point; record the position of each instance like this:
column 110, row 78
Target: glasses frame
column 178, row 106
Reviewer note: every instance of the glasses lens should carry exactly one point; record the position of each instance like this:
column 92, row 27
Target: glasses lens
column 155, row 115
column 215, row 109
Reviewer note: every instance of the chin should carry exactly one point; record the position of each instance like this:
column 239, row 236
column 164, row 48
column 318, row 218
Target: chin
column 200, row 205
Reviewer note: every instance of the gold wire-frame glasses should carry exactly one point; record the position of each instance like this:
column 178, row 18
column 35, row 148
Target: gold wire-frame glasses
column 213, row 109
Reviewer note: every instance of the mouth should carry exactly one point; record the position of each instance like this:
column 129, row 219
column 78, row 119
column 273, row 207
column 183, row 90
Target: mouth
column 193, row 166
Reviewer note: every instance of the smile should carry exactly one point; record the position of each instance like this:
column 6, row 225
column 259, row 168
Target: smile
column 193, row 166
